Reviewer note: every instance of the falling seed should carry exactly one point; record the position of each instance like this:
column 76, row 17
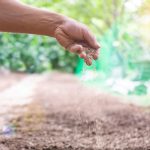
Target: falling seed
column 85, row 75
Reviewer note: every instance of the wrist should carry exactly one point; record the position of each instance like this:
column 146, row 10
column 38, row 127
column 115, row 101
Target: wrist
column 53, row 21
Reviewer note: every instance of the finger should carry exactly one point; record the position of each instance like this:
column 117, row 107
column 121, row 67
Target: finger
column 90, row 39
column 95, row 54
column 83, row 55
column 88, row 61
column 76, row 48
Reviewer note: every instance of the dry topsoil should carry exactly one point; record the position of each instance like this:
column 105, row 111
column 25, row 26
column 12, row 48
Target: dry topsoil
column 65, row 115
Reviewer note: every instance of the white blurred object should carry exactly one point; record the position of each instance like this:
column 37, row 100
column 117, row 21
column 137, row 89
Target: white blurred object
column 89, row 75
column 123, row 86
column 133, row 5
column 18, row 94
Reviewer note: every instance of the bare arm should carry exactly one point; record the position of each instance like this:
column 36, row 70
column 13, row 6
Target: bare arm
column 18, row 17
column 72, row 35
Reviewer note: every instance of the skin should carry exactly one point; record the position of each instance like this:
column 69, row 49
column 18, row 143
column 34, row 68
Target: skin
column 74, row 36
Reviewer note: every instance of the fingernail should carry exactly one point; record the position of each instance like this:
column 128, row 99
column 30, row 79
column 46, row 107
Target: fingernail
column 97, row 45
column 88, row 62
column 82, row 55
column 95, row 57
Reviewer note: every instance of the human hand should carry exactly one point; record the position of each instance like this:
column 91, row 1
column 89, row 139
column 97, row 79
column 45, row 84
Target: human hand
column 77, row 38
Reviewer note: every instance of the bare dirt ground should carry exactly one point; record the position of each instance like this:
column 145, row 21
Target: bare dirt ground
column 65, row 115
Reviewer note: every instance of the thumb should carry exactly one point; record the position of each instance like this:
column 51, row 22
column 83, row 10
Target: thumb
column 75, row 48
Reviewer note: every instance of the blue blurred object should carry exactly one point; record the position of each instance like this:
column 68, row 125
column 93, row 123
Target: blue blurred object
column 7, row 130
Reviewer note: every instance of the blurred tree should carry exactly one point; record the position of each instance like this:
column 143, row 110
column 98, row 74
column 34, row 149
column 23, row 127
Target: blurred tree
column 38, row 53
column 110, row 20
column 99, row 15
column 145, row 8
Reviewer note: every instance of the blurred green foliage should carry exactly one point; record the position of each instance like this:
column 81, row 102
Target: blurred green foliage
column 37, row 53
column 139, row 90
column 125, row 52
column 113, row 24
column 30, row 53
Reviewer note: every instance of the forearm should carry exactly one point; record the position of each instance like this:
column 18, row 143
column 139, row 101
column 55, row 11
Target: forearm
column 20, row 18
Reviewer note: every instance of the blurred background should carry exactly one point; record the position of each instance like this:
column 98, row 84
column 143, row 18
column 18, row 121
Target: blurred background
column 122, row 28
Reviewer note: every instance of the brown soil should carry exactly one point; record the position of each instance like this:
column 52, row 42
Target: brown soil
column 65, row 115
column 7, row 79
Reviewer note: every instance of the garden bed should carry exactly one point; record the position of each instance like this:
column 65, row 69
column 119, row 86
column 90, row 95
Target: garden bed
column 66, row 115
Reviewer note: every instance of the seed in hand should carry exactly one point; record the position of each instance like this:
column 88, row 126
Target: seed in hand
column 89, row 56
